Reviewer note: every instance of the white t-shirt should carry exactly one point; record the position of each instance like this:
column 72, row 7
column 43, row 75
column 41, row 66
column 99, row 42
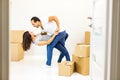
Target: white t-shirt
column 50, row 27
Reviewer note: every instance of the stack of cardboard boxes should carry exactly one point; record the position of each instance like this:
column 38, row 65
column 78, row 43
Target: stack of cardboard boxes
column 16, row 50
column 80, row 59
column 81, row 56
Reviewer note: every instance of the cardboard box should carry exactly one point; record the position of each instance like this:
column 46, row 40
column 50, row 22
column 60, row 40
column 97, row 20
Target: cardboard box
column 87, row 37
column 16, row 51
column 82, row 50
column 81, row 64
column 16, row 35
column 66, row 68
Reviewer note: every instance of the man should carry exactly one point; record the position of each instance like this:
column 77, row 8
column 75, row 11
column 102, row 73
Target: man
column 49, row 25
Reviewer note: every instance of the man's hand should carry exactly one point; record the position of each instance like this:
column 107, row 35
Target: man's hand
column 43, row 33
column 58, row 29
column 56, row 32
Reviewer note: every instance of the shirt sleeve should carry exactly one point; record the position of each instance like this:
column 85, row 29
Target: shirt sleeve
column 36, row 42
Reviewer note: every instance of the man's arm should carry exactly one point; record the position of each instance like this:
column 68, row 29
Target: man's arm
column 54, row 18
column 41, row 43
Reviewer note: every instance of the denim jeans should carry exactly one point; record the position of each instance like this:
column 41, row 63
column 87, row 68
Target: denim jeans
column 58, row 43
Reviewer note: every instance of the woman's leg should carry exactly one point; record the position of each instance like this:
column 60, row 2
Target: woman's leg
column 63, row 51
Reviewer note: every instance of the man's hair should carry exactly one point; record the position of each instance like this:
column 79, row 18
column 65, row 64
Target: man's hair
column 35, row 19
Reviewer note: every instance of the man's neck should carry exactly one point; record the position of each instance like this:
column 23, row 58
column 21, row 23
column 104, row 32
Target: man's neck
column 40, row 24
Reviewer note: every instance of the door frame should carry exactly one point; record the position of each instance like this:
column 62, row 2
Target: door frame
column 112, row 58
column 4, row 40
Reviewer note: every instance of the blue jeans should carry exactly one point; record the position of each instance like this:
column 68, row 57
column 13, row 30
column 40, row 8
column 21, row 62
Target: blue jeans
column 59, row 43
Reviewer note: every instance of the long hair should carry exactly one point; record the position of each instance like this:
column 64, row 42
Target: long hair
column 27, row 40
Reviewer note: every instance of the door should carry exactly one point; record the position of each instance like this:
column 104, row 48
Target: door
column 98, row 40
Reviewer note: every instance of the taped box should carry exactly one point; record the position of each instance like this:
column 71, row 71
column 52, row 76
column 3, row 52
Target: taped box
column 82, row 50
column 16, row 51
column 81, row 64
column 66, row 68
column 16, row 35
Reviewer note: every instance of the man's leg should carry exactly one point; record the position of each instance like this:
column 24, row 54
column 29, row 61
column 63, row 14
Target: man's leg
column 52, row 45
column 63, row 51
column 49, row 55
column 62, row 41
column 58, row 38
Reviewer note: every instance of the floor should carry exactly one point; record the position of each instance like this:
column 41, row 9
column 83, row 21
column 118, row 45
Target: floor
column 31, row 68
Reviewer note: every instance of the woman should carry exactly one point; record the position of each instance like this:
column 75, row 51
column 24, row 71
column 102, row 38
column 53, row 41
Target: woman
column 40, row 40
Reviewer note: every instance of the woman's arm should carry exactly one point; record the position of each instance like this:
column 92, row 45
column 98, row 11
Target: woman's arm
column 41, row 43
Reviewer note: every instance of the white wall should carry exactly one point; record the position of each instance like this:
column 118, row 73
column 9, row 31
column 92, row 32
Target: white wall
column 71, row 13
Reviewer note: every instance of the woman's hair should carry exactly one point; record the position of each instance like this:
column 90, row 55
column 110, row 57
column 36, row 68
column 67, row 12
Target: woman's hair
column 27, row 39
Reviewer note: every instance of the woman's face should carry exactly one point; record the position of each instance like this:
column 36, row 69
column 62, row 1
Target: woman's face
column 31, row 33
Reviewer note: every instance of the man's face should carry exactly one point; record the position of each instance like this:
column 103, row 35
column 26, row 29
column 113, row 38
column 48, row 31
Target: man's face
column 35, row 24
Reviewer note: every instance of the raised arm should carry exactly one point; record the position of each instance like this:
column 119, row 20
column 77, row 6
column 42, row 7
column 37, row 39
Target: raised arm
column 54, row 18
column 41, row 43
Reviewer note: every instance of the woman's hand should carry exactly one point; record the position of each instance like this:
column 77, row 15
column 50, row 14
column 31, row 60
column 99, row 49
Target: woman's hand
column 43, row 33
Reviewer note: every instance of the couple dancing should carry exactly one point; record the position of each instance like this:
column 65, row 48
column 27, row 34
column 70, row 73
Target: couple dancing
column 52, row 34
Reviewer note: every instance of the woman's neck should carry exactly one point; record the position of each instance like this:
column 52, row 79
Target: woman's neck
column 33, row 38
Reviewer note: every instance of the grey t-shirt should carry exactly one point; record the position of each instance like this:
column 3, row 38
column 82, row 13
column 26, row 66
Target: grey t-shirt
column 40, row 37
